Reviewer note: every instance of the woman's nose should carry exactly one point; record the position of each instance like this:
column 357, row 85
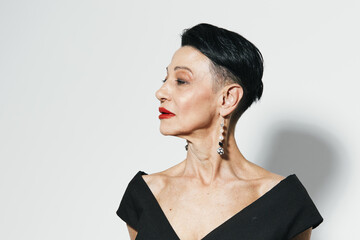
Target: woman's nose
column 162, row 93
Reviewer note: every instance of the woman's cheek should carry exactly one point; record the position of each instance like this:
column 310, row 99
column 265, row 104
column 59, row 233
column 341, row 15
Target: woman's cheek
column 187, row 102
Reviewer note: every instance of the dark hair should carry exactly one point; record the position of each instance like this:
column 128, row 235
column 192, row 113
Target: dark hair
column 234, row 60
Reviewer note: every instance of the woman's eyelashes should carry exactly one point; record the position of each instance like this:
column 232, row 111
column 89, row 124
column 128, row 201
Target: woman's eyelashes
column 179, row 81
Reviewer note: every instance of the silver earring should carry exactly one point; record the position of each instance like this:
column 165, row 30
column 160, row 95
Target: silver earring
column 220, row 150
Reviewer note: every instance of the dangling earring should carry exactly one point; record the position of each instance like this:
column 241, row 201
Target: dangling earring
column 220, row 150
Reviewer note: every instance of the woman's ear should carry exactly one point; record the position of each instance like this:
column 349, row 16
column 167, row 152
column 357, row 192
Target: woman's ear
column 231, row 96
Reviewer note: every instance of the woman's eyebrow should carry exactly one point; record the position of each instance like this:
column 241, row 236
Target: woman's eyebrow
column 182, row 67
column 179, row 67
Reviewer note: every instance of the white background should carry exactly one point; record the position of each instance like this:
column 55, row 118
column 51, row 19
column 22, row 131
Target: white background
column 79, row 117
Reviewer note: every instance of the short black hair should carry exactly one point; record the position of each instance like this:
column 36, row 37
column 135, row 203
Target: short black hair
column 234, row 59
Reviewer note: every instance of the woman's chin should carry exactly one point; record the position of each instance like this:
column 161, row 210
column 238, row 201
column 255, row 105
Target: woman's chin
column 167, row 132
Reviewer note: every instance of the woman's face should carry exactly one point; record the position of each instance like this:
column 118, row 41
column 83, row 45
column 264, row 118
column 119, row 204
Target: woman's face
column 187, row 92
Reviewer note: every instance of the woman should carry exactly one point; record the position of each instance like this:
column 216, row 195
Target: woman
column 215, row 193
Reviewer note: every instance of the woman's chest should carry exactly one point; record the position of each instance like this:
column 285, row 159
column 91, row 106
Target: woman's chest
column 194, row 213
column 210, row 215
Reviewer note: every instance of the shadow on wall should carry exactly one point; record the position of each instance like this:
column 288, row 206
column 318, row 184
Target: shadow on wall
column 314, row 155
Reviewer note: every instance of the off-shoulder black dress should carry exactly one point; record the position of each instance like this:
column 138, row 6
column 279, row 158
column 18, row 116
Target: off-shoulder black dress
column 281, row 213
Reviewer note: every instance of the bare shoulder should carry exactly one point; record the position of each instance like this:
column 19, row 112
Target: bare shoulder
column 155, row 181
column 265, row 180
column 273, row 178
column 159, row 180
column 269, row 181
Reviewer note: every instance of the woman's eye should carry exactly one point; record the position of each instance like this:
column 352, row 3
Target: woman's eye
column 180, row 82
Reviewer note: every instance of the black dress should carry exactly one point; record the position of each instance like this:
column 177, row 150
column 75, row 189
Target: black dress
column 281, row 213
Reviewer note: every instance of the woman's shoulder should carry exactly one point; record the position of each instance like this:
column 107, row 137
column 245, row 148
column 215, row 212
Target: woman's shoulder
column 263, row 180
column 269, row 181
column 157, row 181
column 288, row 186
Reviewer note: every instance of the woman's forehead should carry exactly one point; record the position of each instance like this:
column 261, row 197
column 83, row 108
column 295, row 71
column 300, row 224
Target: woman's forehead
column 189, row 57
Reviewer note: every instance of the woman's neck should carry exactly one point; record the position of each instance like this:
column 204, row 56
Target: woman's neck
column 203, row 161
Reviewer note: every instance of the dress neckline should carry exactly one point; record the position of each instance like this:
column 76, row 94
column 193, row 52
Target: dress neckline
column 226, row 222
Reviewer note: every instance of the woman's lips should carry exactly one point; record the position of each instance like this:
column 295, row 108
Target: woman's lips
column 165, row 113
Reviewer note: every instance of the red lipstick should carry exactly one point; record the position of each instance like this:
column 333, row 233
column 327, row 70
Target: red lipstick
column 165, row 113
